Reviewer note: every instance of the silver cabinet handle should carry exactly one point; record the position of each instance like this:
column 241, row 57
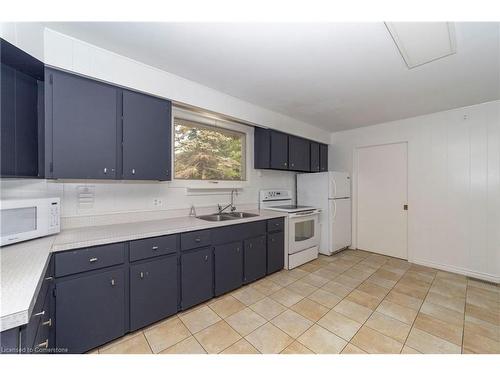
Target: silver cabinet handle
column 93, row 260
column 113, row 282
column 154, row 248
column 238, row 249
column 105, row 170
column 133, row 170
column 272, row 240
column 41, row 313
column 141, row 275
column 285, row 164
column 197, row 240
column 292, row 165
column 47, row 323
column 250, row 245
column 206, row 258
column 44, row 344
column 49, row 278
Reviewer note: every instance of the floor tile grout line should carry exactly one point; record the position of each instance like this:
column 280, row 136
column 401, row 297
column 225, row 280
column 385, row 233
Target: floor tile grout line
column 418, row 312
column 373, row 311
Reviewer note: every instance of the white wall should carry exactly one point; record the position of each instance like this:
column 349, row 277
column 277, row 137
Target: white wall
column 453, row 185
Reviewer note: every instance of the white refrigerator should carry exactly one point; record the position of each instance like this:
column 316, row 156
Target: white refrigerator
column 330, row 192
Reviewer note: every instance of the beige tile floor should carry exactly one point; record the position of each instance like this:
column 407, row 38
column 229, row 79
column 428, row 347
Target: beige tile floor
column 352, row 302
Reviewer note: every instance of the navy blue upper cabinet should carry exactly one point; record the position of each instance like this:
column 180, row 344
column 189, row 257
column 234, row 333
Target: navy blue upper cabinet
column 81, row 125
column 299, row 154
column 262, row 148
column 21, row 125
column 314, row 151
column 99, row 131
column 147, row 124
column 279, row 150
column 323, row 157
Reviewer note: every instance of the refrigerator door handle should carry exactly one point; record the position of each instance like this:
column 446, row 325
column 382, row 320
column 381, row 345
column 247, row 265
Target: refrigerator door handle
column 334, row 186
column 334, row 209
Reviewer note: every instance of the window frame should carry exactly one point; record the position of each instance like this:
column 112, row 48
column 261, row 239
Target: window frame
column 212, row 120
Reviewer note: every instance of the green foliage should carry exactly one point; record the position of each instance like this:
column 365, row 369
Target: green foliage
column 203, row 153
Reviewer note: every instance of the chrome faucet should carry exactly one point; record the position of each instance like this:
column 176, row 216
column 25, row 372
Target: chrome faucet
column 221, row 209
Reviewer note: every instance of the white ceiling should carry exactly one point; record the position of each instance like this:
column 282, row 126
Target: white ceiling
column 333, row 75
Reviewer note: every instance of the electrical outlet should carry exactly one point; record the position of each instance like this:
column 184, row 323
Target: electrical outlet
column 157, row 202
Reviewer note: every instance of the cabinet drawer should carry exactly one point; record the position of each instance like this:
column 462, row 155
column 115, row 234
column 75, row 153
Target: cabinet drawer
column 192, row 240
column 275, row 225
column 238, row 232
column 93, row 258
column 152, row 247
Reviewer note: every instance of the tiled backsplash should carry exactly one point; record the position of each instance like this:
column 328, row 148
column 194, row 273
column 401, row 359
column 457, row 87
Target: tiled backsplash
column 126, row 201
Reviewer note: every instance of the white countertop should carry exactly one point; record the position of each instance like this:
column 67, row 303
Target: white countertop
column 22, row 265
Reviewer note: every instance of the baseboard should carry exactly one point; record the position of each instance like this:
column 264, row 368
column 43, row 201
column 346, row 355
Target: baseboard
column 459, row 270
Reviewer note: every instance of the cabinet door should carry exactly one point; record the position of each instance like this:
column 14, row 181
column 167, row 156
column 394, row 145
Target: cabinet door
column 197, row 277
column 83, row 116
column 147, row 124
column 153, row 291
column 279, row 150
column 228, row 267
column 323, row 157
column 314, row 157
column 8, row 124
column 255, row 258
column 298, row 154
column 275, row 252
column 262, row 148
column 26, row 125
column 90, row 310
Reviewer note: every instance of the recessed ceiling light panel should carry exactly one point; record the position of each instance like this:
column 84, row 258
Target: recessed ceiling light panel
column 422, row 42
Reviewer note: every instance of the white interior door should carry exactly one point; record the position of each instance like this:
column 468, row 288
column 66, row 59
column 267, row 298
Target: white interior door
column 382, row 191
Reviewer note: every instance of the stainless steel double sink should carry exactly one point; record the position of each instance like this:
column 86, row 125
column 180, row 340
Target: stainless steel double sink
column 226, row 216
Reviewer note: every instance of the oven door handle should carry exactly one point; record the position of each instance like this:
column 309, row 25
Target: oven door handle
column 304, row 214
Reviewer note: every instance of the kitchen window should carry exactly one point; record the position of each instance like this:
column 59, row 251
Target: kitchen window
column 207, row 149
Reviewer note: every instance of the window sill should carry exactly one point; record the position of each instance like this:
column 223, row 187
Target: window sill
column 194, row 186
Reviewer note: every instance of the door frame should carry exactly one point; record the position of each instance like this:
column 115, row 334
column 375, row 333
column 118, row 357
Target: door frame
column 355, row 171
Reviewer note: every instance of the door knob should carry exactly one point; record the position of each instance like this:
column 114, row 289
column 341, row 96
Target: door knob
column 133, row 171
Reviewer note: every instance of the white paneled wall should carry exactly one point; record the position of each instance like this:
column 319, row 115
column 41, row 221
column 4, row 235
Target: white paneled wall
column 453, row 185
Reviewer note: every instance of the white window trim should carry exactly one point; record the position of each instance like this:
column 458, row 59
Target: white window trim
column 212, row 120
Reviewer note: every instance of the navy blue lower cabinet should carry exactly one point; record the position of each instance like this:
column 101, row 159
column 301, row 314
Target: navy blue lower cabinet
column 275, row 252
column 153, row 291
column 255, row 258
column 90, row 310
column 228, row 268
column 9, row 341
column 197, row 275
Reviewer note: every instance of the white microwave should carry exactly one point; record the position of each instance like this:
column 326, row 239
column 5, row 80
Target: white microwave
column 24, row 219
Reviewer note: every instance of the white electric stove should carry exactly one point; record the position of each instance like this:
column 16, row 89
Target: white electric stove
column 302, row 226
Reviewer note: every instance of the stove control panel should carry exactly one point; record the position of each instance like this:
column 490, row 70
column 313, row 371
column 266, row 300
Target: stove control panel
column 275, row 195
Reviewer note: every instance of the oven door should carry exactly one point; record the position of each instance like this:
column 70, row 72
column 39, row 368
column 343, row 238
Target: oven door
column 303, row 231
column 22, row 220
